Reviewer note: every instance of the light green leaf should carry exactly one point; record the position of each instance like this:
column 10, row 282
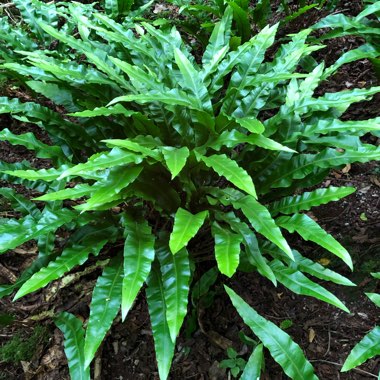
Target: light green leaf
column 192, row 80
column 227, row 249
column 175, row 158
column 252, row 250
column 175, row 270
column 105, row 305
column 281, row 346
column 134, row 147
column 251, row 124
column 74, row 345
column 118, row 109
column 367, row 348
column 229, row 169
column 164, row 346
column 306, row 265
column 219, row 38
column 29, row 141
column 78, row 191
column 138, row 257
column 311, row 230
column 307, row 200
column 374, row 297
column 16, row 232
column 266, row 143
column 300, row 284
column 102, row 161
column 186, row 226
column 172, row 97
column 261, row 220
column 70, row 258
column 107, row 189
column 252, row 370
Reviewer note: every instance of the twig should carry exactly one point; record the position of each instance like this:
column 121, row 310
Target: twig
column 7, row 5
column 328, row 346
column 340, row 365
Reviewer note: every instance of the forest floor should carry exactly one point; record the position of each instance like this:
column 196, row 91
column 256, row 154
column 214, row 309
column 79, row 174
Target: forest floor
column 325, row 333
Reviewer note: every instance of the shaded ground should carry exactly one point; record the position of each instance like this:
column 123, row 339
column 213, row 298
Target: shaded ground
column 324, row 332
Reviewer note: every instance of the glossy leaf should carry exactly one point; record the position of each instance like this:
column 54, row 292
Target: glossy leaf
column 300, row 284
column 175, row 270
column 261, row 220
column 70, row 258
column 307, row 200
column 118, row 109
column 138, row 257
column 367, row 348
column 252, row 370
column 186, row 226
column 116, row 181
column 252, row 249
column 311, row 230
column 175, row 159
column 30, row 228
column 374, row 297
column 102, row 161
column 280, row 345
column 74, row 345
column 227, row 249
column 164, row 346
column 229, row 169
column 105, row 304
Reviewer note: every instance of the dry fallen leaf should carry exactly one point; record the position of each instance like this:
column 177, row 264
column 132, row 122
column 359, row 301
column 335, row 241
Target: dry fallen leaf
column 311, row 335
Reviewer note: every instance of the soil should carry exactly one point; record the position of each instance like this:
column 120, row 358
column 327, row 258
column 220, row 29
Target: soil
column 325, row 333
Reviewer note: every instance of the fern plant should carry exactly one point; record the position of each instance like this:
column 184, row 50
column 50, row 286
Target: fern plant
column 168, row 156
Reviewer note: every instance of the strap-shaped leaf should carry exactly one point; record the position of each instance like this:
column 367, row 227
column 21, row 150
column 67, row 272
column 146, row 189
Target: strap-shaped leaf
column 311, row 230
column 252, row 370
column 173, row 97
column 175, row 158
column 16, row 232
column 117, row 109
column 70, row 258
column 98, row 58
column 261, row 220
column 357, row 127
column 227, row 249
column 219, row 38
column 192, row 80
column 19, row 203
column 78, row 191
column 280, row 345
column 164, row 346
column 306, row 265
column 252, row 249
column 29, row 141
column 47, row 175
column 374, row 297
column 102, row 161
column 251, row 124
column 138, row 257
column 229, row 169
column 266, row 143
column 107, row 189
column 300, row 284
column 74, row 345
column 134, row 147
column 105, row 305
column 306, row 201
column 367, row 348
column 186, row 226
column 175, row 270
